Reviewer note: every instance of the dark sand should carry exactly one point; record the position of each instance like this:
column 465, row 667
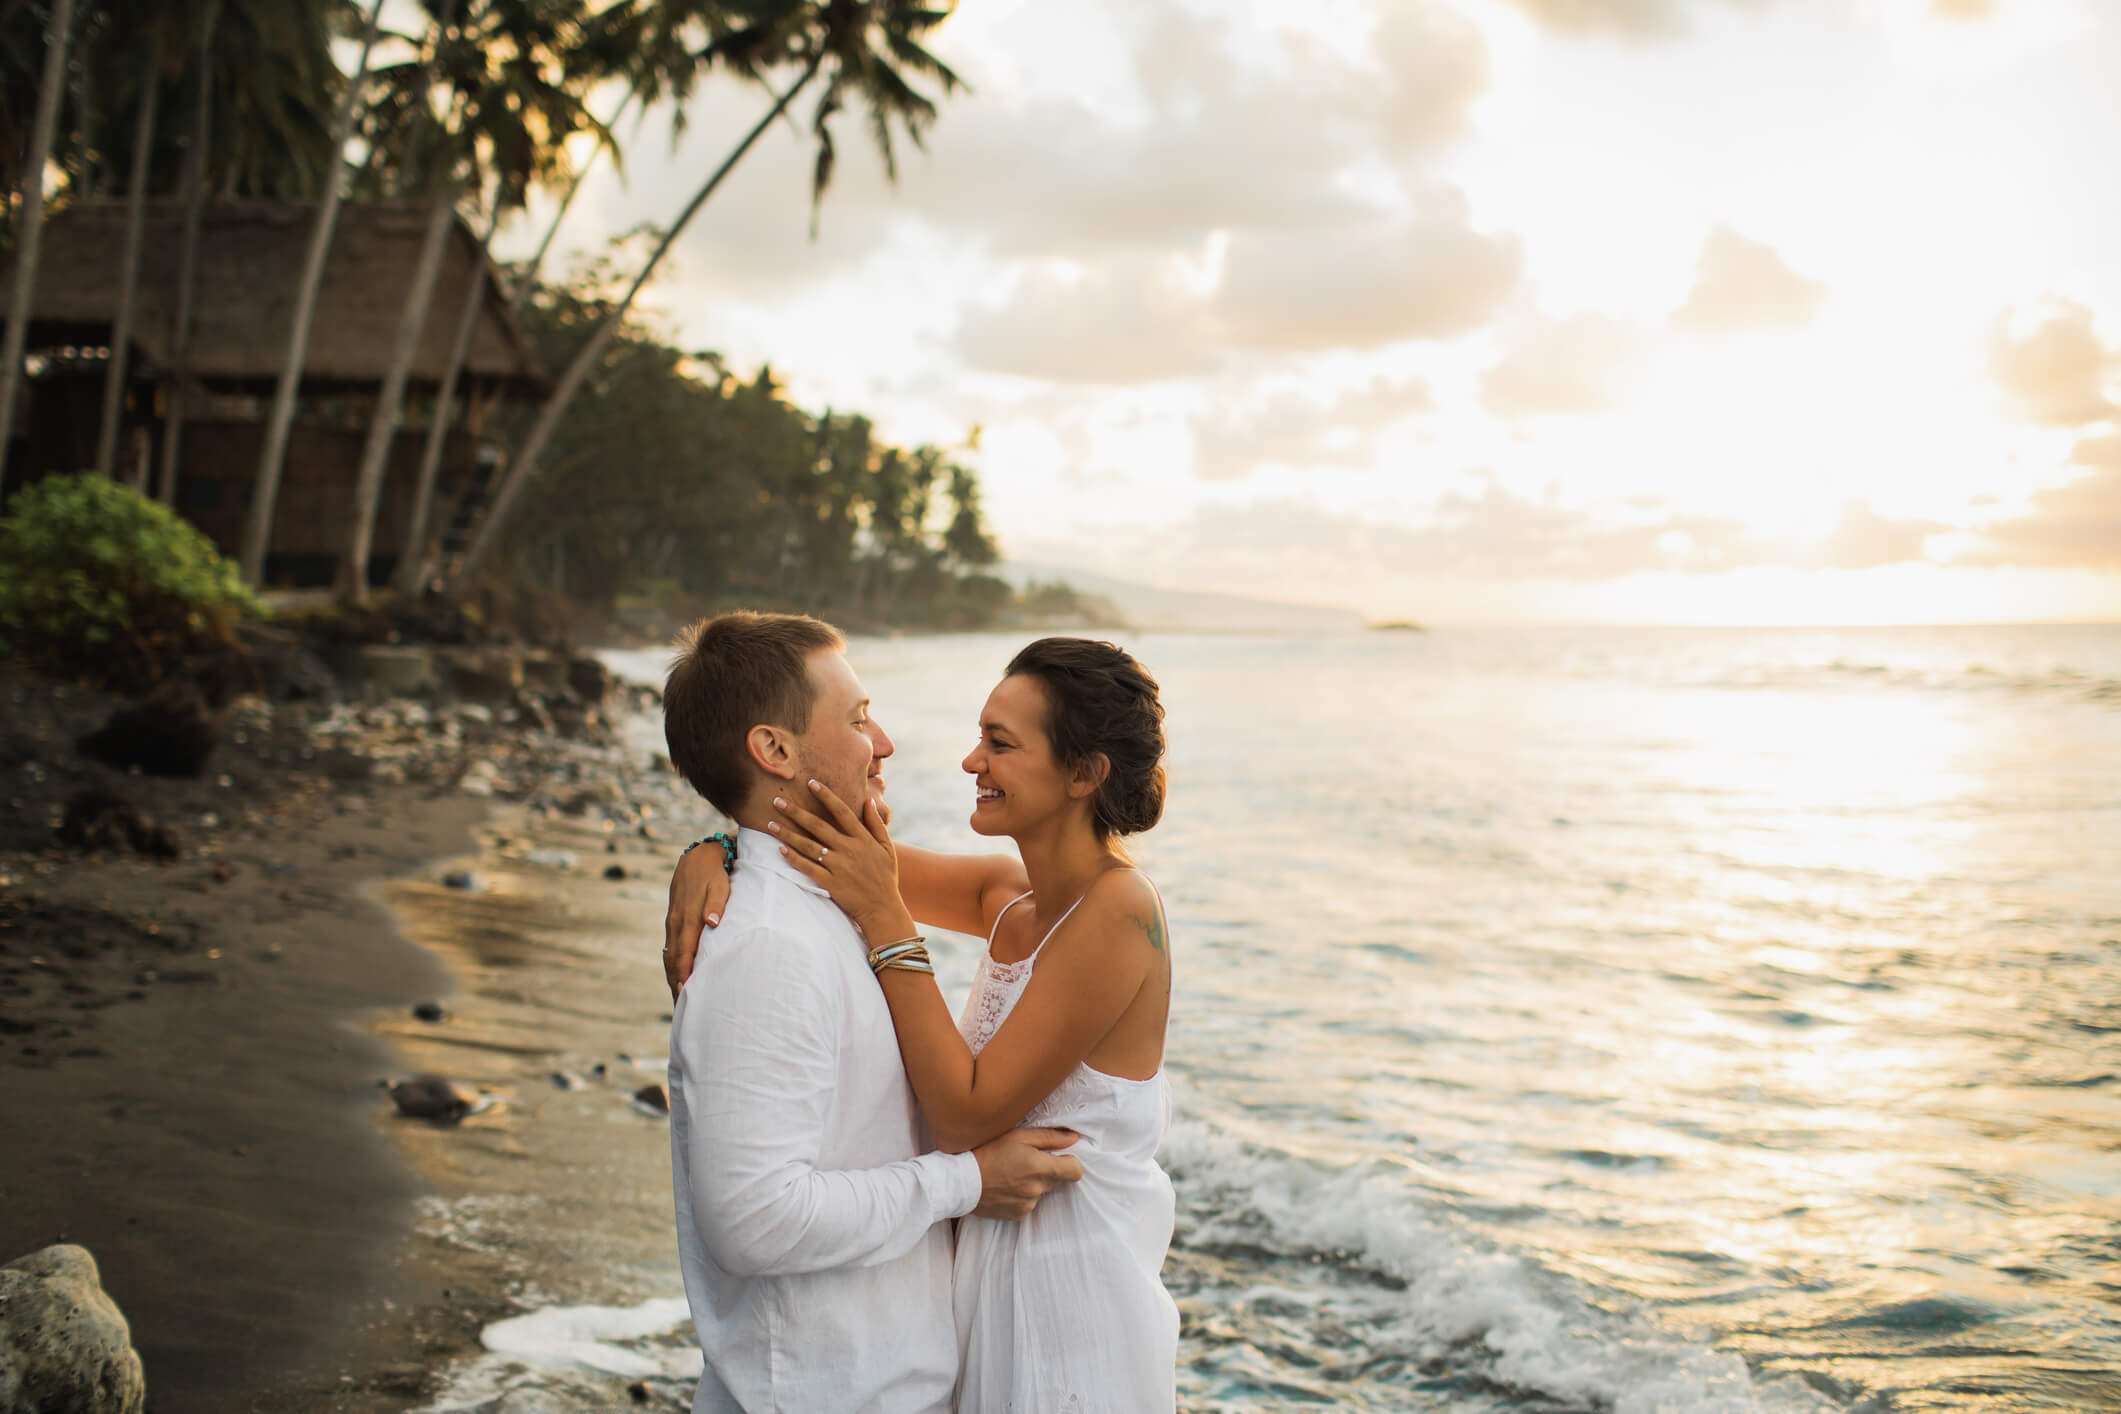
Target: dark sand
column 190, row 1054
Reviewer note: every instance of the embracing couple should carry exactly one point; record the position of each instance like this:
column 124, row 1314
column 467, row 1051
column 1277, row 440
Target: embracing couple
column 829, row 1120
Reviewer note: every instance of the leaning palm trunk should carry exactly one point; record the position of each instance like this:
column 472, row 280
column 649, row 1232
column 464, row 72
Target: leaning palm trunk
column 257, row 529
column 412, row 569
column 585, row 360
column 390, row 400
column 31, row 231
column 121, row 333
column 529, row 280
column 188, row 266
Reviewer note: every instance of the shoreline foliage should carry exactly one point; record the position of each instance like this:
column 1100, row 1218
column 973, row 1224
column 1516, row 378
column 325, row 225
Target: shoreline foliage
column 676, row 479
column 98, row 581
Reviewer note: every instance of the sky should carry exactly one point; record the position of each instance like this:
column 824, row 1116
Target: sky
column 1668, row 311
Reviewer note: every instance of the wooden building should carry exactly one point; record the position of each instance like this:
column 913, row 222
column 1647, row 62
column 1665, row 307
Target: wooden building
column 250, row 261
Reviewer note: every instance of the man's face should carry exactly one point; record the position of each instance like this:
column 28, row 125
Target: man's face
column 843, row 747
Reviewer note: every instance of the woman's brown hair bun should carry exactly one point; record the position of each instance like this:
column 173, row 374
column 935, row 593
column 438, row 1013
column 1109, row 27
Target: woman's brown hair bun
column 1101, row 702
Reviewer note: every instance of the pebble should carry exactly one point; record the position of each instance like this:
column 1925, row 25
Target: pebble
column 615, row 871
column 652, row 1099
column 434, row 1097
column 461, row 879
column 430, row 1011
column 567, row 1080
column 553, row 858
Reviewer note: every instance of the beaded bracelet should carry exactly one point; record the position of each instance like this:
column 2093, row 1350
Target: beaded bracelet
column 728, row 844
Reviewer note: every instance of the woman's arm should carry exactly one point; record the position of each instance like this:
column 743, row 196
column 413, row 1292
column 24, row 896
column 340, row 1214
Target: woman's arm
column 961, row 892
column 1086, row 979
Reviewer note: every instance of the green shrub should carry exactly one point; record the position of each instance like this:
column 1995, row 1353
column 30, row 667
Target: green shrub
column 97, row 579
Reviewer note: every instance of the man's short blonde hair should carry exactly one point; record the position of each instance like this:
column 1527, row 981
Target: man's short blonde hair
column 734, row 672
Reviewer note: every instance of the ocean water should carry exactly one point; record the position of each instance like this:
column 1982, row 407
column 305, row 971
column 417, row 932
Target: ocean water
column 1596, row 1019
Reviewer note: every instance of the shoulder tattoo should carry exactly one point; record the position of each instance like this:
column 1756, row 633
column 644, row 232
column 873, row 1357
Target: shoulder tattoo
column 1152, row 924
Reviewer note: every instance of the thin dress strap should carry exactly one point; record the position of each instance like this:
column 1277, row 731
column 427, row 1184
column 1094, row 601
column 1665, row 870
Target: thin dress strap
column 1055, row 928
column 1003, row 914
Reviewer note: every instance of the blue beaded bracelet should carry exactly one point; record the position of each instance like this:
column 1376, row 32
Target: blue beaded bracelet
column 728, row 844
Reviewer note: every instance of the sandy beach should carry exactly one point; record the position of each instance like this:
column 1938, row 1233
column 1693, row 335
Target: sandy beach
column 194, row 1052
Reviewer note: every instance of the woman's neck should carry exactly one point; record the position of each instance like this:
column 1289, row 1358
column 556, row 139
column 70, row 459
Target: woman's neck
column 1062, row 862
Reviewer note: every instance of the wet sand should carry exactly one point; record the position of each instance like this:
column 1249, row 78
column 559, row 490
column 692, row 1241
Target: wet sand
column 191, row 1055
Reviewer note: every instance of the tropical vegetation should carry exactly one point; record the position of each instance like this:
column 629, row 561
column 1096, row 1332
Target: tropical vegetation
column 102, row 582
column 686, row 479
column 644, row 465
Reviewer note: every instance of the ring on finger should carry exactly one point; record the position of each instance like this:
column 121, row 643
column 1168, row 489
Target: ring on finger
column 822, row 851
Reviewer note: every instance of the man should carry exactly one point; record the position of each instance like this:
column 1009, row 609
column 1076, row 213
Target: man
column 812, row 1227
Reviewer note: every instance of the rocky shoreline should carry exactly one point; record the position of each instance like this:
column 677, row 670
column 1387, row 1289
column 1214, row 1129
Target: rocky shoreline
column 201, row 986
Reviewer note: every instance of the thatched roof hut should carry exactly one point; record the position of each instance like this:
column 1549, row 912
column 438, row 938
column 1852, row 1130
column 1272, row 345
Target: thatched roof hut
column 250, row 259
column 251, row 255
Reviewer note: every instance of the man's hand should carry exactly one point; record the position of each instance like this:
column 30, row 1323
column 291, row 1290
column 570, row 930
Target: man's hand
column 1019, row 1168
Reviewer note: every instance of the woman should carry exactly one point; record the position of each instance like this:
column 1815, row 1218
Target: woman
column 1065, row 1025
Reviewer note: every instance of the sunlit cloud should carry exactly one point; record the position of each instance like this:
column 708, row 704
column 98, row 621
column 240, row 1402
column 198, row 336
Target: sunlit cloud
column 2075, row 524
column 1135, row 319
column 1430, row 277
column 1742, row 284
column 1632, row 19
column 1294, row 427
column 2052, row 363
column 1575, row 365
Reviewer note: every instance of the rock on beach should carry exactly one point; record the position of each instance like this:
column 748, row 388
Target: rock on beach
column 64, row 1345
column 434, row 1097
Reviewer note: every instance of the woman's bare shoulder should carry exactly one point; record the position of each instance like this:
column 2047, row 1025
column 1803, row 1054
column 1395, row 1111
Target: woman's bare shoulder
column 1125, row 901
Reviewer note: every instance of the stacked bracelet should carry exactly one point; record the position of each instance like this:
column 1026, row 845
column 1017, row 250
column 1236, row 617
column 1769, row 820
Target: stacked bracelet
column 905, row 955
column 728, row 844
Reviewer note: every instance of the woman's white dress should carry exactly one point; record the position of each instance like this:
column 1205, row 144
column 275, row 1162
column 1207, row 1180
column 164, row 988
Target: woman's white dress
column 1066, row 1312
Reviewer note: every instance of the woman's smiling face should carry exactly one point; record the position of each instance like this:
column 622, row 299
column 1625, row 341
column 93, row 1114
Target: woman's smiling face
column 1012, row 767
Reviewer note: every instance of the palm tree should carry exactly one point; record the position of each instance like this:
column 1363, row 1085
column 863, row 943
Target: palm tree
column 424, row 135
column 188, row 260
column 412, row 570
column 57, row 31
column 513, row 77
column 129, row 275
column 861, row 47
column 272, row 457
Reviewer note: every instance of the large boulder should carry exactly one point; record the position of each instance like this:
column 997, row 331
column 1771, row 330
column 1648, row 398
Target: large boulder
column 170, row 732
column 64, row 1344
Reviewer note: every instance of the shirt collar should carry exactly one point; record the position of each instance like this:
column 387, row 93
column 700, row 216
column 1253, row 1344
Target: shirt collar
column 756, row 848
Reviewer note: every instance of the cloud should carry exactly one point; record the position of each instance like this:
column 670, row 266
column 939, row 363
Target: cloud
column 1130, row 320
column 2053, row 365
column 1436, row 63
column 1144, row 318
column 1482, row 534
column 1200, row 139
column 1626, row 19
column 2075, row 525
column 1742, row 284
column 1574, row 365
column 1287, row 428
column 1433, row 277
column 1863, row 539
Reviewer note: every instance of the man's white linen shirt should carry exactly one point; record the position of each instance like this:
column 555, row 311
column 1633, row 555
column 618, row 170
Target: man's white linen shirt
column 809, row 1219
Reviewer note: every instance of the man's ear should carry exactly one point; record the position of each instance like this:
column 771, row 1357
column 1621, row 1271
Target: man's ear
column 772, row 750
column 1088, row 774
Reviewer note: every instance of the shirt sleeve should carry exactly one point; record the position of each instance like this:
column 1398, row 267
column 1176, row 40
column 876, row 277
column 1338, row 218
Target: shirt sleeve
column 755, row 1045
